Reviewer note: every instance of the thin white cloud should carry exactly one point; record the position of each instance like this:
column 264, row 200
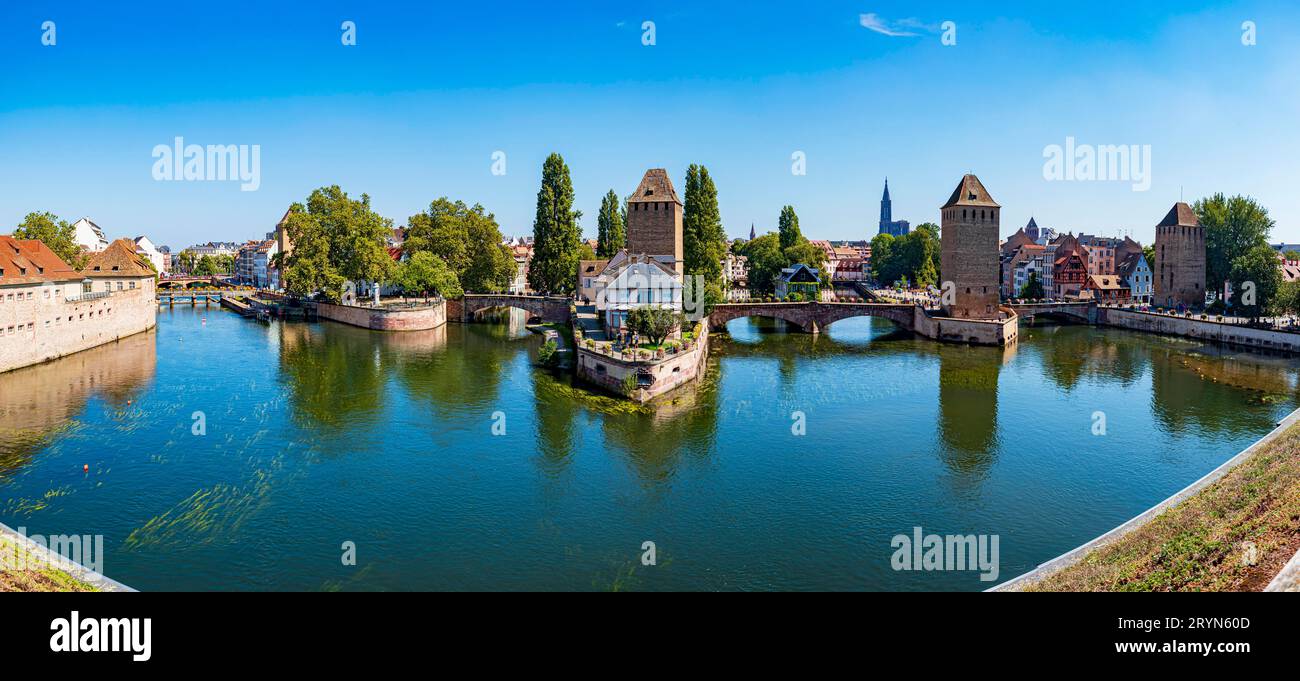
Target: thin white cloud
column 873, row 22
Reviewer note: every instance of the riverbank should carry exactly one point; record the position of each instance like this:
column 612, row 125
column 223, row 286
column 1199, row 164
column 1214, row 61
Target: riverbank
column 26, row 566
column 1233, row 530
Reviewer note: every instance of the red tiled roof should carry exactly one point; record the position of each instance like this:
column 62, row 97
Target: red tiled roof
column 30, row 261
column 118, row 260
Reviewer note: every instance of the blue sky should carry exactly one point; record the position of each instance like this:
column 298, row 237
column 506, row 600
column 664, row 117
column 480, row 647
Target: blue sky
column 416, row 109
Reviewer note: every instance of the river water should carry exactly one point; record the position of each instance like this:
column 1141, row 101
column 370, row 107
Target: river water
column 450, row 462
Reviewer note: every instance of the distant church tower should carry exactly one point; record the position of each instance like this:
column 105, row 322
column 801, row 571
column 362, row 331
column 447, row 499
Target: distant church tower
column 1180, row 259
column 654, row 220
column 887, row 224
column 969, row 250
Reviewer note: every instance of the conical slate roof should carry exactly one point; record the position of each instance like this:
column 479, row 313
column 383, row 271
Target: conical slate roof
column 970, row 192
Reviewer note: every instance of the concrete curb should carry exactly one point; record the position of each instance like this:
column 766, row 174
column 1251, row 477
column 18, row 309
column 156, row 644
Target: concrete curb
column 1072, row 557
column 1289, row 577
column 56, row 561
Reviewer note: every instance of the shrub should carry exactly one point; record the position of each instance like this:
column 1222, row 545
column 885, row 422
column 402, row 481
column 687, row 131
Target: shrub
column 547, row 354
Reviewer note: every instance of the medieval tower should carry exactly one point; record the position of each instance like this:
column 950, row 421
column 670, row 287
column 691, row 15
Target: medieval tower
column 969, row 251
column 1180, row 259
column 654, row 220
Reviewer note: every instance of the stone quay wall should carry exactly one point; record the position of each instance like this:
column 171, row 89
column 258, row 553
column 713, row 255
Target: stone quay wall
column 49, row 327
column 1000, row 332
column 417, row 318
column 1201, row 329
column 669, row 373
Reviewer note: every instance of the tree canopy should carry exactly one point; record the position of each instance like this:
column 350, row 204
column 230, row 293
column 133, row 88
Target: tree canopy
column 704, row 243
column 611, row 229
column 914, row 256
column 58, row 235
column 653, row 323
column 556, row 236
column 1233, row 227
column 424, row 272
column 467, row 239
column 336, row 239
column 767, row 257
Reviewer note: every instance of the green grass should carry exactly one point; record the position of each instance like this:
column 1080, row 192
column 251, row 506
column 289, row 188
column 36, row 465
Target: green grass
column 31, row 580
column 1202, row 543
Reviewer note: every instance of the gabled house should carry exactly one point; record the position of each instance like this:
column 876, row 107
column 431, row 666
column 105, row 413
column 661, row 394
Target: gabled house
column 1105, row 288
column 798, row 278
column 631, row 281
column 1135, row 273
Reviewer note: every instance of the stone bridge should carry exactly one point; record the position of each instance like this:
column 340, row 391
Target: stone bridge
column 1077, row 311
column 548, row 308
column 813, row 316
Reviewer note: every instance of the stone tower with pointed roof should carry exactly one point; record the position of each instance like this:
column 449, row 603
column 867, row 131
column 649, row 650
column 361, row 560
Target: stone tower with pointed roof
column 1179, row 268
column 969, row 251
column 654, row 220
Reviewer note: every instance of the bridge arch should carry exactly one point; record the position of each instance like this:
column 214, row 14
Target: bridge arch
column 548, row 308
column 812, row 317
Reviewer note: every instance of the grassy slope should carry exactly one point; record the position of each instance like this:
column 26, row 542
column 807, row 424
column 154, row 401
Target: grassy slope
column 1199, row 545
column 47, row 579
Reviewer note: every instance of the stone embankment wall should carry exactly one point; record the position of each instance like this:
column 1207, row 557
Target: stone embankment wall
column 669, row 373
column 975, row 331
column 1201, row 329
column 421, row 318
column 60, row 327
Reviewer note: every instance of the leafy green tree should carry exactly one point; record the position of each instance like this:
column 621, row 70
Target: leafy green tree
column 1033, row 289
column 336, row 239
column 788, row 228
column 58, row 235
column 882, row 259
column 611, row 233
column 1233, row 227
column 653, row 323
column 188, row 260
column 704, row 243
column 548, row 354
column 1291, row 254
column 1287, row 299
column 1256, row 278
column 765, row 261
column 309, row 268
column 556, row 236
column 424, row 272
column 467, row 239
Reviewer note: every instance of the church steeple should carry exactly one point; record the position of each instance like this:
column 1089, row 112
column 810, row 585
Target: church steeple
column 751, row 231
column 886, row 206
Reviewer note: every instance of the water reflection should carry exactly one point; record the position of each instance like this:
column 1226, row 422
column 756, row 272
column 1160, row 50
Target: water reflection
column 968, row 406
column 39, row 402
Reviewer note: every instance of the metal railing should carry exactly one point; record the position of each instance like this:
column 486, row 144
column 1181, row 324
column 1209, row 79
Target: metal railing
column 87, row 296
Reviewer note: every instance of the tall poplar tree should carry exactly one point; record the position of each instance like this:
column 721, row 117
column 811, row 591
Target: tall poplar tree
column 556, row 236
column 703, row 240
column 611, row 231
column 788, row 228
